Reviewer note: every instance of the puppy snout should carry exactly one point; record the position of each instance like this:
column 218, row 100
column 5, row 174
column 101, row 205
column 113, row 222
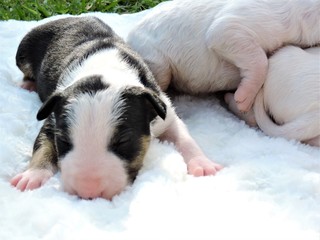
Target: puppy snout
column 89, row 195
column 103, row 180
column 86, row 188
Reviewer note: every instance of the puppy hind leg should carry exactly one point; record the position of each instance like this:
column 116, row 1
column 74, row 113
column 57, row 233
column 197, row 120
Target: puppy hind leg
column 43, row 163
column 236, row 43
column 251, row 82
column 248, row 117
column 314, row 141
column 29, row 85
column 28, row 82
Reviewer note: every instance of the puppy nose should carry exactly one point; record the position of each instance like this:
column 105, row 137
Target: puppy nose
column 89, row 195
column 88, row 188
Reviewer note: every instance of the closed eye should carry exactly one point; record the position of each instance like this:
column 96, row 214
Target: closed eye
column 124, row 145
column 63, row 145
column 123, row 139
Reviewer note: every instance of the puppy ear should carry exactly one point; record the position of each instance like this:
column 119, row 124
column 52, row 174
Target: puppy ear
column 48, row 106
column 159, row 106
column 156, row 105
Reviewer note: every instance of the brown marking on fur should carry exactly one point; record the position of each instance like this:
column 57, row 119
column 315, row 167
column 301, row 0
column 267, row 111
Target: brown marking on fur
column 44, row 156
column 27, row 71
column 136, row 164
column 29, row 82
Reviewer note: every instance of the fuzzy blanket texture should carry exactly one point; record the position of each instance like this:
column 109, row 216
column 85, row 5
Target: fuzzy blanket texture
column 268, row 189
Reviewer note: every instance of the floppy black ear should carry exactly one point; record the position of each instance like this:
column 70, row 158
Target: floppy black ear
column 159, row 106
column 48, row 106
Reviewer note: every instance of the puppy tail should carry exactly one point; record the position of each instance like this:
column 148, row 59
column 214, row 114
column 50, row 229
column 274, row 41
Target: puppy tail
column 305, row 127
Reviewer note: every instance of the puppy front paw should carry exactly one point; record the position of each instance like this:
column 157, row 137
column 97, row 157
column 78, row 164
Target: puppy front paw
column 201, row 166
column 31, row 179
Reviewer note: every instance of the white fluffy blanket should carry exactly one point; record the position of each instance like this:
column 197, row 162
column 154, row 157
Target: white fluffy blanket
column 269, row 188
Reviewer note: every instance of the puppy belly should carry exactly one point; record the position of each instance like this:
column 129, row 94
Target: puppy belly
column 206, row 77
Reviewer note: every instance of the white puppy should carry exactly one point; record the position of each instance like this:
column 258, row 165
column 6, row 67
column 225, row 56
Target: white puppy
column 211, row 45
column 288, row 105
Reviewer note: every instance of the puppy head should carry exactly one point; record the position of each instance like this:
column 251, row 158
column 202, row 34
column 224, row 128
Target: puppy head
column 102, row 134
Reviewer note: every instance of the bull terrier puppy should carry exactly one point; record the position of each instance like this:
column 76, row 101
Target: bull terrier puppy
column 211, row 45
column 288, row 105
column 101, row 106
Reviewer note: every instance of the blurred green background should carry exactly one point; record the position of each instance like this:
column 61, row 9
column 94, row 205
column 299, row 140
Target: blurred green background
column 39, row 9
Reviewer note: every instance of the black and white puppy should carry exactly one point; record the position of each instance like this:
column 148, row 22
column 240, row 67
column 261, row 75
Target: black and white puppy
column 101, row 108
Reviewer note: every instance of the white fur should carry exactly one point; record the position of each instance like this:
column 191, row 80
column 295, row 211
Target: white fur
column 269, row 189
column 91, row 172
column 119, row 75
column 106, row 63
column 210, row 45
column 96, row 172
column 92, row 123
column 291, row 95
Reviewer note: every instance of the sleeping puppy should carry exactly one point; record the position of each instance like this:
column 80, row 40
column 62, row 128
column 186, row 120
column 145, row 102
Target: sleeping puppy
column 212, row 45
column 101, row 108
column 288, row 105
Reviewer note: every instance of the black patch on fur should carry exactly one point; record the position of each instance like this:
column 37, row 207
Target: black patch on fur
column 87, row 85
column 134, row 124
column 62, row 135
column 56, row 129
column 55, row 109
column 49, row 106
column 70, row 40
column 48, row 51
column 91, row 85
column 47, row 130
column 33, row 54
column 45, row 144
